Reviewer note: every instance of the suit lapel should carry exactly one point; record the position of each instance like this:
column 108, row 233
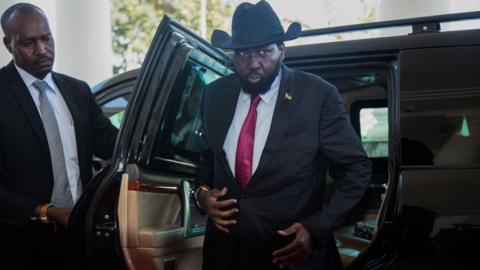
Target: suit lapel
column 231, row 99
column 227, row 98
column 282, row 117
column 25, row 100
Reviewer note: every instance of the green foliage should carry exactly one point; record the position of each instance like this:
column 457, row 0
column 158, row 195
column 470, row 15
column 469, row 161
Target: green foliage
column 134, row 23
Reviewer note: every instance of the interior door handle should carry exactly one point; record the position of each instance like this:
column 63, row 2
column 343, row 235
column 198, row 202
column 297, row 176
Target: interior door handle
column 110, row 226
column 186, row 191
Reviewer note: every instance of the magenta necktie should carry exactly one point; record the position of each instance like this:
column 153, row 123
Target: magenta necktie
column 244, row 156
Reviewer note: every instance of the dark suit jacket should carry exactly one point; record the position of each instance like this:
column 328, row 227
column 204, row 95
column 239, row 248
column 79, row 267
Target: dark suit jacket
column 309, row 133
column 25, row 169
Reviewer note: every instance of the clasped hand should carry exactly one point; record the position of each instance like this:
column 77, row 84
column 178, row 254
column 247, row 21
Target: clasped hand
column 295, row 252
column 215, row 208
column 289, row 256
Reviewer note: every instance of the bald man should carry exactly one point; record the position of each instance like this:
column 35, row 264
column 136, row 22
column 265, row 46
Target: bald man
column 50, row 128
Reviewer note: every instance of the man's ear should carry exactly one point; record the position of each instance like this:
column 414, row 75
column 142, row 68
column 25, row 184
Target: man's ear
column 6, row 42
column 281, row 47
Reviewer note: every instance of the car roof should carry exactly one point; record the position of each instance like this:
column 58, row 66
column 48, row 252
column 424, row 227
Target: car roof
column 426, row 33
column 385, row 44
column 121, row 78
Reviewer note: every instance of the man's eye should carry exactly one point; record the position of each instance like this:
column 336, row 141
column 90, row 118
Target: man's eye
column 242, row 54
column 26, row 43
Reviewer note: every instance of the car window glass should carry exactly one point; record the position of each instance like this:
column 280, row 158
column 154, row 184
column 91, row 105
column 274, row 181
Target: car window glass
column 115, row 108
column 369, row 118
column 180, row 136
column 444, row 130
column 374, row 131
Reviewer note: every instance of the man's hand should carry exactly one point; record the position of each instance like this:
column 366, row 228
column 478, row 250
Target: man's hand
column 297, row 251
column 210, row 203
column 59, row 215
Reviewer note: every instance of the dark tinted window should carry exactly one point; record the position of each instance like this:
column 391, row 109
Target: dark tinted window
column 441, row 130
column 440, row 106
column 180, row 136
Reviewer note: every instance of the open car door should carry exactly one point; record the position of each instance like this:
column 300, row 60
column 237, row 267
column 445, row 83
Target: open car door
column 138, row 212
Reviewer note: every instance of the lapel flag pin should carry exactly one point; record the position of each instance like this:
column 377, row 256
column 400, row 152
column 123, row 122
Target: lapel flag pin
column 288, row 97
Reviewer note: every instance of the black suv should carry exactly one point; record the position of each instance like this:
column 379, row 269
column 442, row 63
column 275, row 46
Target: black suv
column 413, row 99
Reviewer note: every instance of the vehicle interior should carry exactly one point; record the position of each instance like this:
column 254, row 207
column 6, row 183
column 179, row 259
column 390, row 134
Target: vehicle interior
column 364, row 90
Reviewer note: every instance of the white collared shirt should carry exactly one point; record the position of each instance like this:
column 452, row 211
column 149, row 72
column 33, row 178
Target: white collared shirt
column 265, row 111
column 65, row 125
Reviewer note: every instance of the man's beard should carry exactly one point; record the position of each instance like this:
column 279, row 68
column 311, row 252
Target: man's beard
column 262, row 86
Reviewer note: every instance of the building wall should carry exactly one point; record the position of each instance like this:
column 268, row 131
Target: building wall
column 395, row 9
column 82, row 34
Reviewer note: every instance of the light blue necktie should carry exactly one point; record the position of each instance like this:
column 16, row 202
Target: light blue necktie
column 61, row 195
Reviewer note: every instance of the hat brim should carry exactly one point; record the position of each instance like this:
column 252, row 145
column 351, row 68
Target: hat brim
column 223, row 40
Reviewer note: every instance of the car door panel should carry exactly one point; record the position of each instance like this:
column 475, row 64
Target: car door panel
column 138, row 214
column 157, row 219
column 153, row 221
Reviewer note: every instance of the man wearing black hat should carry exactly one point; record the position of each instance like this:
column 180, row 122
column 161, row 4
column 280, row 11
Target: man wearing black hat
column 272, row 132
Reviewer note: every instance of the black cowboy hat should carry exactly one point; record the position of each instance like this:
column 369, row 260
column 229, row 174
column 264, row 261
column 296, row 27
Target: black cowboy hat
column 254, row 26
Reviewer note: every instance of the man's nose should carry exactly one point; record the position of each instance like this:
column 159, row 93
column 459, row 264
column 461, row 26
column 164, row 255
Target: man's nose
column 40, row 47
column 253, row 62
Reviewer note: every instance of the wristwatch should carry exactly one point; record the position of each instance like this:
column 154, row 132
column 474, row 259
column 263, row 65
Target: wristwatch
column 195, row 194
column 43, row 212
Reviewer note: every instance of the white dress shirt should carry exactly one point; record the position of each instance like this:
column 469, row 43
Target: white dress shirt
column 264, row 120
column 65, row 125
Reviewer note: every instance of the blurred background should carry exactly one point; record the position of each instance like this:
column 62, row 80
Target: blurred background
column 99, row 38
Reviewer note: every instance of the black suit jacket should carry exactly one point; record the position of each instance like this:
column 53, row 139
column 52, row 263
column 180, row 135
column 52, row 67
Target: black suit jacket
column 309, row 132
column 25, row 168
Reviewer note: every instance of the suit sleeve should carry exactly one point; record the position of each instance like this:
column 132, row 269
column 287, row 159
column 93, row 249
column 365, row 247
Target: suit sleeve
column 349, row 167
column 206, row 162
column 16, row 208
column 104, row 133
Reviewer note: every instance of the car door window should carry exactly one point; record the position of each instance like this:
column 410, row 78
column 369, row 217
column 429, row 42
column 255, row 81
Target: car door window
column 370, row 120
column 374, row 131
column 440, row 107
column 180, row 136
column 115, row 108
column 441, row 131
